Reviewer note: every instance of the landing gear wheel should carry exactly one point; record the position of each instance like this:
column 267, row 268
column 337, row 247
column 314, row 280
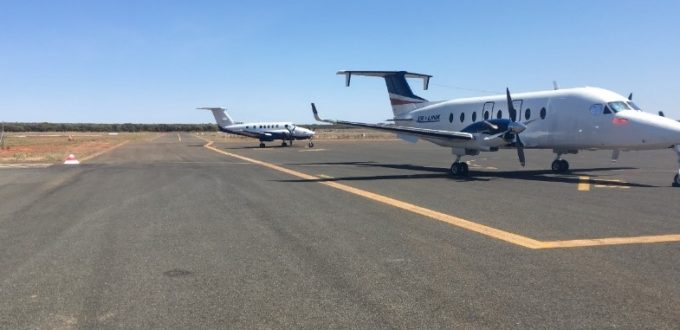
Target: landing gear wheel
column 555, row 166
column 459, row 169
column 564, row 166
column 284, row 144
column 311, row 144
column 560, row 166
column 464, row 169
column 676, row 181
column 262, row 145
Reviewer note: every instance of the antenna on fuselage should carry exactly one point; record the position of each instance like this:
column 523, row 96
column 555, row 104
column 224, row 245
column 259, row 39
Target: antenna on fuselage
column 555, row 87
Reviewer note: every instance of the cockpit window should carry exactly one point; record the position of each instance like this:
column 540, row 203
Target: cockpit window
column 634, row 106
column 618, row 106
column 596, row 109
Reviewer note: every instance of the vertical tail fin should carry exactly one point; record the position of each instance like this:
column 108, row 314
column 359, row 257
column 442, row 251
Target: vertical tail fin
column 221, row 117
column 401, row 96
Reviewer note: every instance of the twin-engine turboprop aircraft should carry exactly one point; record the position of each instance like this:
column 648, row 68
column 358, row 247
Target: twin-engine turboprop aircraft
column 564, row 120
column 264, row 131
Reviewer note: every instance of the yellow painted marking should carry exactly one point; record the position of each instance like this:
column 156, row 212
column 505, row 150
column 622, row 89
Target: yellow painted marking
column 583, row 183
column 499, row 234
column 325, row 176
column 104, row 151
column 469, row 225
column 611, row 241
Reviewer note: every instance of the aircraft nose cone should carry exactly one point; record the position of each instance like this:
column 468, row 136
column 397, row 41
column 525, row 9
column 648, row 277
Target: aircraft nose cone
column 655, row 128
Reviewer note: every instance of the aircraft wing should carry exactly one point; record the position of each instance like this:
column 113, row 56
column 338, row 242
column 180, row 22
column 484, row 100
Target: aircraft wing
column 415, row 131
column 257, row 134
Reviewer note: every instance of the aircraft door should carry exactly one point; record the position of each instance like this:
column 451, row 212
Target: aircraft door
column 568, row 122
column 487, row 110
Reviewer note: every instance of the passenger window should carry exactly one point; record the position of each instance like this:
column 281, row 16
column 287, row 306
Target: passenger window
column 499, row 115
column 462, row 117
column 527, row 114
column 596, row 109
column 450, row 118
column 542, row 113
column 474, row 116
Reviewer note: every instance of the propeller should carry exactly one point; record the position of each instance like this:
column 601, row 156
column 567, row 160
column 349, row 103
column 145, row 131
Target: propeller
column 516, row 128
column 290, row 129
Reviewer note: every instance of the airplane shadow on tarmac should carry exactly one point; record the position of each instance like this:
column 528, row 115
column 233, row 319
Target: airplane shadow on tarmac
column 573, row 177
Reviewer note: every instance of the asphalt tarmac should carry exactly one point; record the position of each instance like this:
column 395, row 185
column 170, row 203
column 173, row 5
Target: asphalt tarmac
column 170, row 233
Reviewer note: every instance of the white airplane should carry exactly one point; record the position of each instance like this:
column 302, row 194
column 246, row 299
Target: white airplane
column 264, row 131
column 564, row 120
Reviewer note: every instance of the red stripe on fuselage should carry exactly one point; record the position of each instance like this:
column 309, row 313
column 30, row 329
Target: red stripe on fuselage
column 400, row 102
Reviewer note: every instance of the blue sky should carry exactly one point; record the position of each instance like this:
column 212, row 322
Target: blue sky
column 155, row 61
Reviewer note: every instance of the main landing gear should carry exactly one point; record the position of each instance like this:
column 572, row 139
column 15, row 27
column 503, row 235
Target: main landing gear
column 284, row 144
column 560, row 166
column 458, row 168
column 262, row 145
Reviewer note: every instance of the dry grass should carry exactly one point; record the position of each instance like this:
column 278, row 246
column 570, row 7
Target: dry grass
column 54, row 147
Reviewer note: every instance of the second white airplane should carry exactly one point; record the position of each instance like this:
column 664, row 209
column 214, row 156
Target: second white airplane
column 264, row 131
column 564, row 120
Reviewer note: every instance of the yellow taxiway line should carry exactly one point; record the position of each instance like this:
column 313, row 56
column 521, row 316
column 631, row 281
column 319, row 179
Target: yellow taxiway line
column 499, row 234
column 583, row 183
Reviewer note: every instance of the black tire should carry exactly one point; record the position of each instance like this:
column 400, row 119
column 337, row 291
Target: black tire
column 284, row 144
column 455, row 169
column 676, row 181
column 556, row 165
column 311, row 144
column 464, row 170
column 262, row 145
column 564, row 166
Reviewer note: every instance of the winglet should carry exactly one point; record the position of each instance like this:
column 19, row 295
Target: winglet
column 316, row 115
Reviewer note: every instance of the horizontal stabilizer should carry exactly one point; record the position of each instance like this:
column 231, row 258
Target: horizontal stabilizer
column 349, row 73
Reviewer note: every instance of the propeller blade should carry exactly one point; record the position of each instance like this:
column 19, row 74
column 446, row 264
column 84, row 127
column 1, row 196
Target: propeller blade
column 490, row 125
column 491, row 137
column 520, row 154
column 511, row 108
column 630, row 96
column 520, row 151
